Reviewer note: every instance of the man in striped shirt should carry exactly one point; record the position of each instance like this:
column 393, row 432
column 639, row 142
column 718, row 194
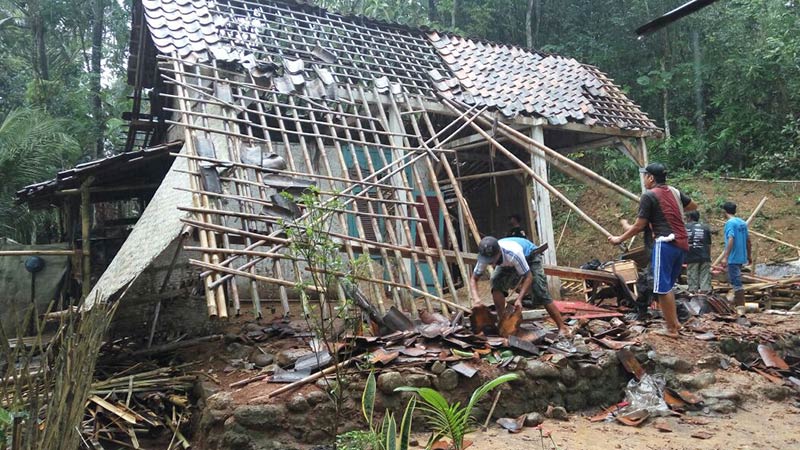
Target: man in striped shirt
column 516, row 266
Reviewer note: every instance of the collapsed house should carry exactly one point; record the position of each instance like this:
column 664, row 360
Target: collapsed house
column 417, row 142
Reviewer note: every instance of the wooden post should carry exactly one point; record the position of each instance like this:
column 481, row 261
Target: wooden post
column 544, row 219
column 86, row 224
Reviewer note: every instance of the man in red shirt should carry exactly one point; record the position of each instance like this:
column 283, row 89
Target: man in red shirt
column 661, row 210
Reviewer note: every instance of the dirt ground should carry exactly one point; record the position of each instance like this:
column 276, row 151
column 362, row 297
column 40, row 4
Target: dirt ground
column 765, row 425
column 779, row 218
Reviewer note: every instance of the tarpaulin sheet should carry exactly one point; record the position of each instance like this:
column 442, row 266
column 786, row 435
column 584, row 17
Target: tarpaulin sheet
column 15, row 282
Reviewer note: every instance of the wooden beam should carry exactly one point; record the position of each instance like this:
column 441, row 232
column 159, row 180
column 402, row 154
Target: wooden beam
column 109, row 189
column 40, row 252
column 86, row 224
column 589, row 145
column 544, row 215
column 581, row 128
column 478, row 176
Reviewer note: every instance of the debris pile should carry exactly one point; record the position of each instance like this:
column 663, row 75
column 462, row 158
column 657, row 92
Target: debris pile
column 137, row 404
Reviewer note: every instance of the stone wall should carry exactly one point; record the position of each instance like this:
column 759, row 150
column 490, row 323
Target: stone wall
column 307, row 416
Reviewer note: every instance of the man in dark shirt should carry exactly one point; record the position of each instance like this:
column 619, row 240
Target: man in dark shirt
column 661, row 209
column 698, row 260
column 515, row 221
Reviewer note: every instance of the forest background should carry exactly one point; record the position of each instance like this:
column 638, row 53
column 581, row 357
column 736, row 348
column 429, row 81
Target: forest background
column 723, row 83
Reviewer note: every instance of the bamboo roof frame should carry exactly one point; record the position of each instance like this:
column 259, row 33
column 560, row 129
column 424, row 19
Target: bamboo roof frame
column 377, row 154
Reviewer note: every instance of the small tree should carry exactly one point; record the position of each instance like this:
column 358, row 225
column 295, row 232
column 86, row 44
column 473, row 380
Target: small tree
column 311, row 244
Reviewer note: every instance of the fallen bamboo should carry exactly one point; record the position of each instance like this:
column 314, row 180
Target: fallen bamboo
column 288, row 172
column 749, row 219
column 557, row 159
column 306, row 380
column 389, row 283
column 478, row 176
column 166, row 348
column 535, row 176
column 77, row 252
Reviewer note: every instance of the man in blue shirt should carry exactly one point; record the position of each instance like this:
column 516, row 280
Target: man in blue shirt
column 514, row 262
column 737, row 251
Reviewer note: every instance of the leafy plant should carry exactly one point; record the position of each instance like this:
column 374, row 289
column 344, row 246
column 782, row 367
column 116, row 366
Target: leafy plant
column 385, row 437
column 311, row 244
column 452, row 421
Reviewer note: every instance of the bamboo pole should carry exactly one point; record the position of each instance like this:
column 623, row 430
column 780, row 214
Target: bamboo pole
column 478, row 176
column 41, row 253
column 397, row 181
column 194, row 183
column 749, row 219
column 309, row 165
column 536, row 177
column 239, row 175
column 285, row 172
column 86, row 224
column 559, row 161
column 407, row 202
column 207, row 202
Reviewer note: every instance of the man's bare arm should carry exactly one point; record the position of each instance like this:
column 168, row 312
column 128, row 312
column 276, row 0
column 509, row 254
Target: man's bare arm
column 473, row 287
column 749, row 251
column 692, row 206
column 632, row 231
column 527, row 283
column 728, row 247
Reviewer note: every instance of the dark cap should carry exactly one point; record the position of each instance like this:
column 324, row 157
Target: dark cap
column 488, row 249
column 657, row 170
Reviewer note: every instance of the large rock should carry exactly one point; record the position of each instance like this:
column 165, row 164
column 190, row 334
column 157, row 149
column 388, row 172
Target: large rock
column 418, row 380
column 673, row 362
column 261, row 359
column 533, row 419
column 297, row 404
column 721, row 394
column 568, row 375
column 776, row 392
column 220, row 401
column 697, row 381
column 589, row 371
column 389, row 381
column 539, row 369
column 447, row 380
column 723, row 407
column 438, row 367
column 316, row 397
column 557, row 413
column 259, row 417
column 287, row 357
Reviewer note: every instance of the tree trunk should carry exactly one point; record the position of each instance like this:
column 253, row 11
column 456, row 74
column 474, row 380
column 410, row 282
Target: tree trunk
column 456, row 11
column 699, row 103
column 665, row 93
column 98, row 12
column 40, row 62
column 665, row 102
column 433, row 15
column 529, row 24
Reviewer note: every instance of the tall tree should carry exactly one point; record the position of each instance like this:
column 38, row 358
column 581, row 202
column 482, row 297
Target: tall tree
column 98, row 15
column 433, row 14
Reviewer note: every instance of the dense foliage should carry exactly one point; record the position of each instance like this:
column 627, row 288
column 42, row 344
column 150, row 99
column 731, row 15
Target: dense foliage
column 724, row 83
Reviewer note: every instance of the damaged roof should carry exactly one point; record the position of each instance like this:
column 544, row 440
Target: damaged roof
column 521, row 81
column 301, row 48
column 146, row 165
